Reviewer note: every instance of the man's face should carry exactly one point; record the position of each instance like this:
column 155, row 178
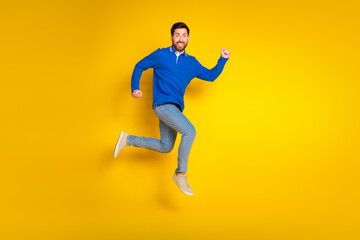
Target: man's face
column 180, row 39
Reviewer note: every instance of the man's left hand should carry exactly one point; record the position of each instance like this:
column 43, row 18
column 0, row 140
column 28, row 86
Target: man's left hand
column 225, row 53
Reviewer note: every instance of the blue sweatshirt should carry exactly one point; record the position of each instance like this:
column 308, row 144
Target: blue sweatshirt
column 172, row 74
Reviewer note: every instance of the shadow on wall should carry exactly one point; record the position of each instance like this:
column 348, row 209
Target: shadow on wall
column 156, row 163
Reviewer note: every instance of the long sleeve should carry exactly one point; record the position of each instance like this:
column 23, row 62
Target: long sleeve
column 147, row 62
column 210, row 74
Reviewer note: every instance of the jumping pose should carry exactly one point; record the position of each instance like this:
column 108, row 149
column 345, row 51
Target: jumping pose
column 173, row 71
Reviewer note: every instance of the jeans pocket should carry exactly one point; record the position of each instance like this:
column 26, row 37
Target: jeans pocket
column 160, row 110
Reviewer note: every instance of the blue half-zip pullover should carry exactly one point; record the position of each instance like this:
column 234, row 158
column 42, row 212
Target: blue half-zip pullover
column 172, row 74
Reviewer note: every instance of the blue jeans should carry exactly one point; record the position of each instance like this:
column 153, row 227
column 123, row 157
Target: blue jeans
column 171, row 122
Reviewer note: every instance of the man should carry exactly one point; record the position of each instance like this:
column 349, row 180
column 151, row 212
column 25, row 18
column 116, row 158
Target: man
column 173, row 71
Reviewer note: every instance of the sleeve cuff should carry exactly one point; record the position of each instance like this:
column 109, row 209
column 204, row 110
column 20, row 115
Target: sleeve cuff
column 223, row 59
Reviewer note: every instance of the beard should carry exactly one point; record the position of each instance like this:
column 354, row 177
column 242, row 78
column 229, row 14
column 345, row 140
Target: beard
column 179, row 48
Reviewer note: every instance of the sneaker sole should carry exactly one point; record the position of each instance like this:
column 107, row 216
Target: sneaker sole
column 187, row 193
column 116, row 152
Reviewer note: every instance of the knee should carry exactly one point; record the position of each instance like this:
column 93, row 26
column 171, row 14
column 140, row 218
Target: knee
column 191, row 132
column 166, row 148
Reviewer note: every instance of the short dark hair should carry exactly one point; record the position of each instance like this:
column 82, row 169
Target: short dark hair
column 179, row 25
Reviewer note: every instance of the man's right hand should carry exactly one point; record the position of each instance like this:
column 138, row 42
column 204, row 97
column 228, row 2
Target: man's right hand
column 136, row 94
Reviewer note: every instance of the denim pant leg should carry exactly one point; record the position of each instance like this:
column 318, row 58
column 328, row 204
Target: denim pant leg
column 176, row 120
column 164, row 145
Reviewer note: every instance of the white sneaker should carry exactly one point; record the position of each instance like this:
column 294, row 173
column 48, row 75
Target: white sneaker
column 182, row 183
column 121, row 143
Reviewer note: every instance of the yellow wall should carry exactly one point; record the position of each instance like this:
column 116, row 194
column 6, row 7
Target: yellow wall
column 276, row 154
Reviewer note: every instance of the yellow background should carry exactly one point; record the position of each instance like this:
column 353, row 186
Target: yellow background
column 276, row 154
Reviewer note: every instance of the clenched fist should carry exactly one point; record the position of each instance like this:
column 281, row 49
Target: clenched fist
column 136, row 94
column 225, row 53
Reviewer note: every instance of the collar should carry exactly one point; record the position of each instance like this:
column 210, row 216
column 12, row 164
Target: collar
column 172, row 49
